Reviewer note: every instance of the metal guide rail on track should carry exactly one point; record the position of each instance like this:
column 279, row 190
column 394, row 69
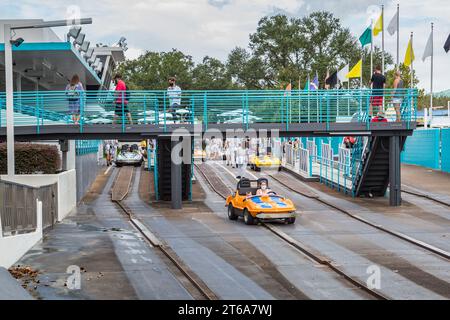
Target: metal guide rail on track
column 425, row 196
column 124, row 183
column 442, row 253
column 219, row 186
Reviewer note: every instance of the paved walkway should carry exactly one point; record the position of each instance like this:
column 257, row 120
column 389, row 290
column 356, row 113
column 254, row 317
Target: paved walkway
column 427, row 180
column 115, row 260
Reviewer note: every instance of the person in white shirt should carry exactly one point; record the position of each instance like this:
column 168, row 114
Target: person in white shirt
column 241, row 161
column 108, row 151
column 114, row 147
column 232, row 152
column 174, row 94
column 226, row 149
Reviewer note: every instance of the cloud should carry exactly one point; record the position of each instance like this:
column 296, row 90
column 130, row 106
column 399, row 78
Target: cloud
column 134, row 53
column 214, row 27
column 219, row 3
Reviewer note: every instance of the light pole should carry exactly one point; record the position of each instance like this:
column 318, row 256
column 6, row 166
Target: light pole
column 9, row 87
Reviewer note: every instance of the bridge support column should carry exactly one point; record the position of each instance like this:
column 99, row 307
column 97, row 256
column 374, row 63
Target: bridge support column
column 64, row 147
column 176, row 179
column 395, row 193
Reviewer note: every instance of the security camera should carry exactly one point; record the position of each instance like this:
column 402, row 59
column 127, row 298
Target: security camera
column 16, row 43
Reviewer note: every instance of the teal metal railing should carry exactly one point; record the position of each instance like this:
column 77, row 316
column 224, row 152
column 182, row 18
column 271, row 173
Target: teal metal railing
column 83, row 147
column 334, row 174
column 342, row 174
column 206, row 107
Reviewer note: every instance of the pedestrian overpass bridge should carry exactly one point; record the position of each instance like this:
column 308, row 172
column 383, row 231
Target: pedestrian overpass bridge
column 323, row 113
column 45, row 115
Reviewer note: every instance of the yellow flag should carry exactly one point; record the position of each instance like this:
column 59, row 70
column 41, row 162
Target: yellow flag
column 356, row 71
column 409, row 56
column 378, row 27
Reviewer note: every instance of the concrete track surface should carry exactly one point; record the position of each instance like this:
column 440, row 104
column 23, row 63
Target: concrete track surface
column 111, row 236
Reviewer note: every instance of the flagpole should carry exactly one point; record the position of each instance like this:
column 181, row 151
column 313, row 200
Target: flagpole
column 371, row 48
column 361, row 77
column 382, row 37
column 290, row 102
column 432, row 65
column 348, row 84
column 398, row 36
column 299, row 99
column 309, row 102
column 412, row 62
column 317, row 95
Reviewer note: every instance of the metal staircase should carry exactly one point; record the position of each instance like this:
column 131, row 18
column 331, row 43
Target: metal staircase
column 372, row 178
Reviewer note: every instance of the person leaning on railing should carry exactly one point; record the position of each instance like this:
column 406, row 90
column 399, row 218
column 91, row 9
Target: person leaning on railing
column 174, row 94
column 74, row 91
column 398, row 94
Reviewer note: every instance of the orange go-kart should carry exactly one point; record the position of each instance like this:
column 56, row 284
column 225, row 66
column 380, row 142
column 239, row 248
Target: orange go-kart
column 253, row 208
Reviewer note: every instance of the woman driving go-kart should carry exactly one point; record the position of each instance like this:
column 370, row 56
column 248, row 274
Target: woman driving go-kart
column 255, row 201
column 263, row 189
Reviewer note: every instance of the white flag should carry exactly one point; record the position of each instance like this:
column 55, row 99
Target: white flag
column 429, row 48
column 342, row 74
column 393, row 26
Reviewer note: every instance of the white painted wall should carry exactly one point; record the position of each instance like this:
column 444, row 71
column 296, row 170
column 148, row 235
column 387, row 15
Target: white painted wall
column 71, row 155
column 14, row 247
column 67, row 186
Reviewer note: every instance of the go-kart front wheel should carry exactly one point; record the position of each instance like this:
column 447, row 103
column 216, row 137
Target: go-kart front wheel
column 290, row 220
column 231, row 214
column 248, row 218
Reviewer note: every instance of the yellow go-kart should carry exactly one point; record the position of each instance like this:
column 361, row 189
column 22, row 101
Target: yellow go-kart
column 259, row 162
column 253, row 208
column 199, row 155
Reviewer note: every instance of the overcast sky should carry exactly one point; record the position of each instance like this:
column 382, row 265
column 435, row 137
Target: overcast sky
column 214, row 27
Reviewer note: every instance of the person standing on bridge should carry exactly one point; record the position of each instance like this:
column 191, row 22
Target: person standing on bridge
column 121, row 100
column 378, row 83
column 397, row 100
column 74, row 92
column 174, row 94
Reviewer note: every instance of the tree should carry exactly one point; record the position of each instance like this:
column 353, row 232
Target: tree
column 294, row 48
column 328, row 45
column 247, row 71
column 282, row 50
column 377, row 61
column 211, row 74
column 279, row 43
column 405, row 74
column 151, row 70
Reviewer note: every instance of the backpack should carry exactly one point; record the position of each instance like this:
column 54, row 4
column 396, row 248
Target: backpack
column 73, row 92
column 379, row 119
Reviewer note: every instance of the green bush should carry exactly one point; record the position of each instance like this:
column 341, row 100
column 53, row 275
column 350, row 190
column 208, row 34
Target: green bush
column 32, row 158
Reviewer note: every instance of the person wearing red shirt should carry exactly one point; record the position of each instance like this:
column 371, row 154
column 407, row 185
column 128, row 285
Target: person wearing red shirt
column 121, row 101
column 349, row 142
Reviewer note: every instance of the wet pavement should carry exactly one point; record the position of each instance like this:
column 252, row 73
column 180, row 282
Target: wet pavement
column 408, row 272
column 314, row 280
column 116, row 261
column 236, row 261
